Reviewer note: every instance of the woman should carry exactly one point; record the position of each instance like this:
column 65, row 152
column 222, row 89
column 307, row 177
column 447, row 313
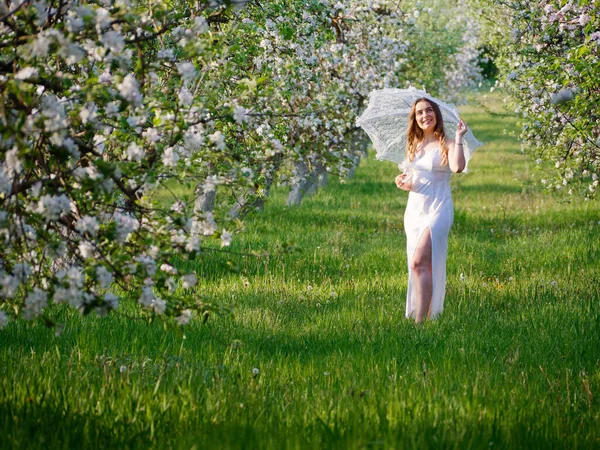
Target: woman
column 431, row 159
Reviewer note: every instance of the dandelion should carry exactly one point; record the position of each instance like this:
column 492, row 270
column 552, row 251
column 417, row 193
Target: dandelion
column 463, row 277
column 123, row 369
column 255, row 372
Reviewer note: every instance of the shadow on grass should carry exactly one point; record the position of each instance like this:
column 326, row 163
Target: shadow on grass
column 35, row 426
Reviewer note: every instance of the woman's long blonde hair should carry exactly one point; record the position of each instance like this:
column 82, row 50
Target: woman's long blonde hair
column 414, row 135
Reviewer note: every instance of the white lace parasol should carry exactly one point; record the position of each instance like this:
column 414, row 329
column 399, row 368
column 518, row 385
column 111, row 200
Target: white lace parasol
column 386, row 121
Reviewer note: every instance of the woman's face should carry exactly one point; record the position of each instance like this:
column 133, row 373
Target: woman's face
column 425, row 115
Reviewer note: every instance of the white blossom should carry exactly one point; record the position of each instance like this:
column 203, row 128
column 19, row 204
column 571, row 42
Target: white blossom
column 166, row 53
column 168, row 268
column 187, row 71
column 104, row 277
column 185, row 97
column 218, row 139
column 170, row 157
column 190, row 280
column 87, row 224
column 9, row 286
column 225, row 238
column 53, row 207
column 147, row 297
column 135, row 152
column 86, row 249
column 584, row 19
column 5, row 184
column 113, row 40
column 200, row 24
column 103, row 19
column 193, row 244
column 240, row 114
column 563, row 96
column 41, row 45
column 148, row 263
column 183, row 319
column 151, row 135
column 126, row 224
column 159, row 306
column 210, row 183
column 111, row 300
column 26, row 73
column 12, row 163
column 35, row 302
column 88, row 113
column 193, row 140
column 129, row 89
column 208, row 226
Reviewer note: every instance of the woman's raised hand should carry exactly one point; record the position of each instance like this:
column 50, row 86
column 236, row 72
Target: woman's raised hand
column 462, row 128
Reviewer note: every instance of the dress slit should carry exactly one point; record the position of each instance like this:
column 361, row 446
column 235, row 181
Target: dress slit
column 411, row 301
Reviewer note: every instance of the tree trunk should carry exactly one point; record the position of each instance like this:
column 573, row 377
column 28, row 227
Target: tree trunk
column 299, row 188
column 205, row 199
column 248, row 201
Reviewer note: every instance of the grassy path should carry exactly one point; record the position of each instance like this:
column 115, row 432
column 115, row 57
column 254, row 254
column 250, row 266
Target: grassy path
column 513, row 362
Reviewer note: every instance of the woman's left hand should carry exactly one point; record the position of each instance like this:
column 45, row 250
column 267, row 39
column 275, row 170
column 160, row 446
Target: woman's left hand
column 462, row 128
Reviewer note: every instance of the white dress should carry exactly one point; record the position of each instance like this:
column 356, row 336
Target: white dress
column 429, row 206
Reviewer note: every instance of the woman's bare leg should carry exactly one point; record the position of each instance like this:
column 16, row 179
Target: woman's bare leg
column 422, row 274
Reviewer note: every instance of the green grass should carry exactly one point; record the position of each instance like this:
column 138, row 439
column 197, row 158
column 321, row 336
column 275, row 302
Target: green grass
column 513, row 362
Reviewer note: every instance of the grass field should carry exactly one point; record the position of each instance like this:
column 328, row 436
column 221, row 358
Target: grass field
column 316, row 352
